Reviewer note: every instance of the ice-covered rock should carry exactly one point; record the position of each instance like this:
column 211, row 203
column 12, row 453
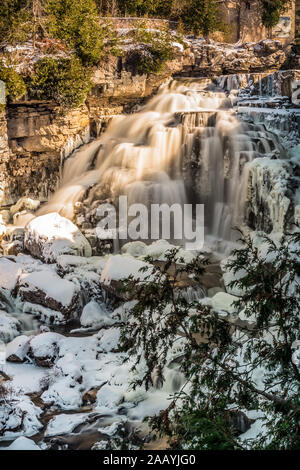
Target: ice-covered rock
column 48, row 289
column 9, row 327
column 17, row 349
column 51, row 235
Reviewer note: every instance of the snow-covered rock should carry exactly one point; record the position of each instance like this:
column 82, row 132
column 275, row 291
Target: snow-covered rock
column 51, row 235
column 108, row 339
column 23, row 443
column 17, row 349
column 48, row 289
column 19, row 417
column 9, row 274
column 44, row 348
column 65, row 423
column 120, row 267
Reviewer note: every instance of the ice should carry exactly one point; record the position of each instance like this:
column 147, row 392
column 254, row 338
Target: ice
column 9, row 327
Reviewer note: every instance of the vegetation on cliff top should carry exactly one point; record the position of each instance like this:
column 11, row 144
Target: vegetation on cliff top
column 74, row 27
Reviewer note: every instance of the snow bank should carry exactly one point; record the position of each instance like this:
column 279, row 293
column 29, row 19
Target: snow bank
column 51, row 235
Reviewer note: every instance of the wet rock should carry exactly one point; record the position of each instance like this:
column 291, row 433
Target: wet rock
column 51, row 291
column 51, row 235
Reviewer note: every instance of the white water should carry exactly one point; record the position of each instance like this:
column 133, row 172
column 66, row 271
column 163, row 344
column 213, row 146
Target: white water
column 141, row 156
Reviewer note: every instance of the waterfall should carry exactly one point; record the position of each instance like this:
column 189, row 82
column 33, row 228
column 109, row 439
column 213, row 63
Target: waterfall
column 143, row 155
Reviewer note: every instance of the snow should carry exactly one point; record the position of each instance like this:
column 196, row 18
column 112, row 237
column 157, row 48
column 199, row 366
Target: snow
column 53, row 286
column 22, row 443
column 51, row 235
column 9, row 274
column 108, row 339
column 19, row 413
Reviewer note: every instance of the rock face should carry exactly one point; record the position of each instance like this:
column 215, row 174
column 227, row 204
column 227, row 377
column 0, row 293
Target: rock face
column 212, row 59
column 4, row 157
column 40, row 136
column 51, row 235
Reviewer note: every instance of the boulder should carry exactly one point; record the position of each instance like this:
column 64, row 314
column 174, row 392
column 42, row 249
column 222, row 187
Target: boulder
column 51, row 235
column 44, row 348
column 17, row 349
column 48, row 289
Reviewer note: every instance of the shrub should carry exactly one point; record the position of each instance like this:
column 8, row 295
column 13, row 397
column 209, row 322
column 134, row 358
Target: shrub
column 77, row 23
column 226, row 367
column 155, row 49
column 271, row 11
column 64, row 80
column 14, row 83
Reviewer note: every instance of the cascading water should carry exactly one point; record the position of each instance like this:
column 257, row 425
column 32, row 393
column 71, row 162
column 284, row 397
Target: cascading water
column 143, row 157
